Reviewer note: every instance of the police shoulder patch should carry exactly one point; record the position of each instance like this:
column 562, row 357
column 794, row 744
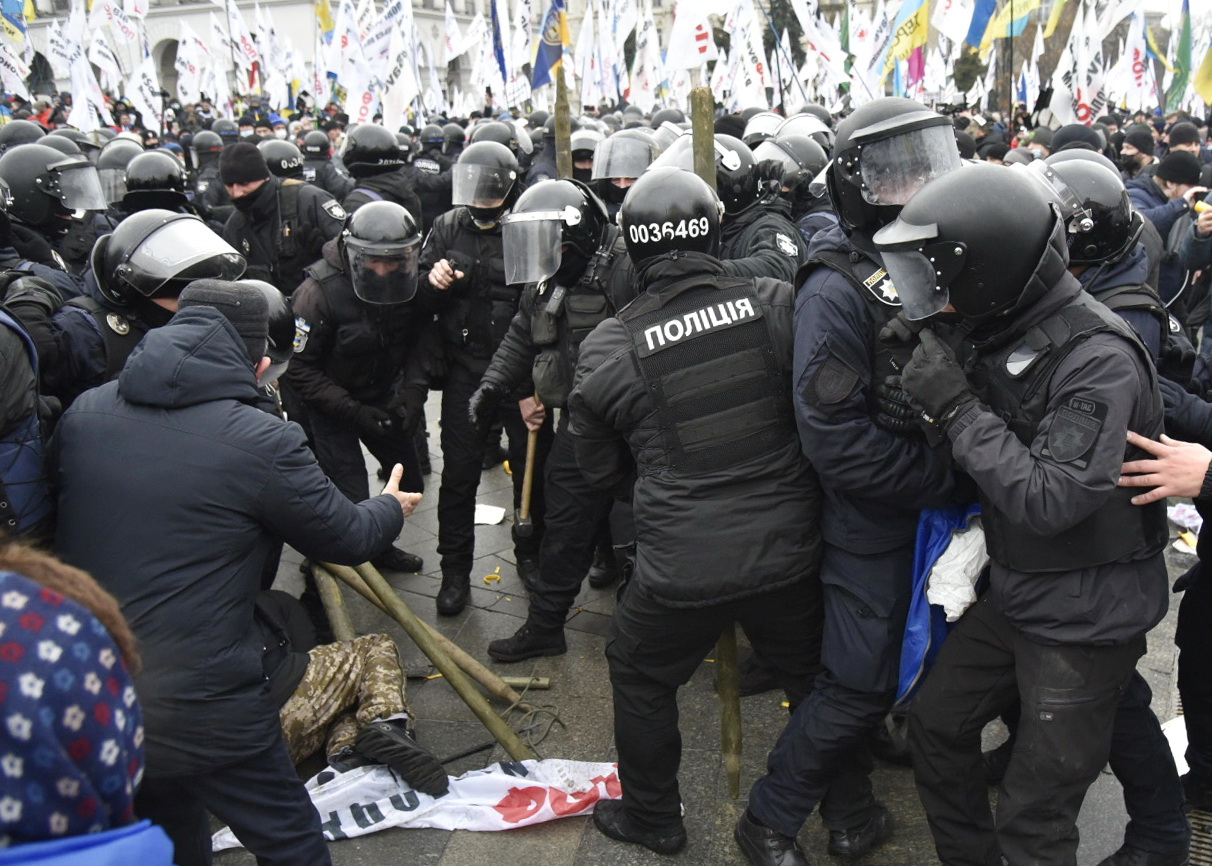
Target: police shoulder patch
column 117, row 324
column 1075, row 428
column 334, row 209
column 786, row 244
column 302, row 330
column 834, row 381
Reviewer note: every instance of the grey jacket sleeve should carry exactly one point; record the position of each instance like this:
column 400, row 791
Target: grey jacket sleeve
column 1103, row 380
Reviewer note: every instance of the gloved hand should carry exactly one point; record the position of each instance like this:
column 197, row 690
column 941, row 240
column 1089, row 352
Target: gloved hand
column 895, row 412
column 934, row 379
column 483, row 401
column 31, row 245
column 410, row 409
column 372, row 421
column 900, row 330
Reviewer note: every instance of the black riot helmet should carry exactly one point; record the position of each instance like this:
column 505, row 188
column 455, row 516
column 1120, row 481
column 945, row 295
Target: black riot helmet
column 667, row 210
column 404, row 143
column 736, row 177
column 83, row 141
column 984, row 239
column 154, row 179
column 453, row 137
column 495, row 130
column 226, row 129
column 206, row 146
column 112, row 161
column 280, row 342
column 17, row 132
column 761, row 127
column 432, row 136
column 802, row 159
column 380, row 247
column 485, row 181
column 1102, row 225
column 157, row 253
column 65, row 146
column 672, row 115
column 583, row 143
column 371, row 149
column 811, row 126
column 1082, row 155
column 553, row 231
column 47, row 185
column 316, row 145
column 619, row 160
column 283, row 158
column 885, row 151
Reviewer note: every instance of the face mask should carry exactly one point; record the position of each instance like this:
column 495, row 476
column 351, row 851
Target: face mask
column 279, row 133
column 584, row 175
column 246, row 203
column 1127, row 163
column 1037, row 153
column 248, row 134
column 572, row 267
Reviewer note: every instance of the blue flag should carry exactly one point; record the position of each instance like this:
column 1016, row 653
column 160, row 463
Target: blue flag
column 980, row 21
column 553, row 37
column 497, row 45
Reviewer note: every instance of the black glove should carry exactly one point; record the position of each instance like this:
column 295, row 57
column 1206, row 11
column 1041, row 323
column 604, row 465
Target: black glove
column 900, row 330
column 372, row 421
column 410, row 408
column 32, row 246
column 464, row 264
column 483, row 401
column 934, row 380
column 895, row 412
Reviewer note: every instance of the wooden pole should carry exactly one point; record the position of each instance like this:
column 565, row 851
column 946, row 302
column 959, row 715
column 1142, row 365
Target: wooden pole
column 334, row 605
column 563, row 128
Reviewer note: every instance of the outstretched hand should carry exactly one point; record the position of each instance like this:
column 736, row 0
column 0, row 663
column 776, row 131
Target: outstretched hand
column 408, row 501
column 1178, row 468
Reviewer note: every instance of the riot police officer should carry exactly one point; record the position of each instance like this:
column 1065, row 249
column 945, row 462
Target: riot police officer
column 373, row 157
column 463, row 278
column 618, row 162
column 561, row 243
column 318, row 168
column 684, row 401
column 869, row 522
column 280, row 226
column 283, row 158
column 155, row 179
column 358, row 351
column 802, row 159
column 209, row 192
column 1077, row 576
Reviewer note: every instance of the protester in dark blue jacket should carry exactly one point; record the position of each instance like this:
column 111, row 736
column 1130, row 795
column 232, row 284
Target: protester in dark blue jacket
column 174, row 489
column 1163, row 199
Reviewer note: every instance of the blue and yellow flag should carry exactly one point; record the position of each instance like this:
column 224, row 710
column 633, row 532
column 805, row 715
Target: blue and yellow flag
column 553, row 39
column 12, row 19
column 1009, row 22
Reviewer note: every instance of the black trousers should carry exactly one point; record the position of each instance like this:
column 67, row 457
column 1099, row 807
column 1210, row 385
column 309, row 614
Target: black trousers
column 462, row 456
column 822, row 758
column 260, row 798
column 576, row 519
column 338, row 446
column 653, row 649
column 1069, row 696
column 1194, row 639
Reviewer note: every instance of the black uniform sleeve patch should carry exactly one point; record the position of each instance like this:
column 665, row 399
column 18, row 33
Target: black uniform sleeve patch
column 1074, row 430
column 834, row 382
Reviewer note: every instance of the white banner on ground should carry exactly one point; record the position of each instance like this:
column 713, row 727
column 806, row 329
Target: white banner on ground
column 500, row 797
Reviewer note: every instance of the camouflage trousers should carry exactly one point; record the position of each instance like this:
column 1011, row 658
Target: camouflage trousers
column 347, row 685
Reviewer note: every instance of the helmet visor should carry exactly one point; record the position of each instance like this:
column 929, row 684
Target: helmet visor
column 622, row 157
column 179, row 252
column 80, row 187
column 481, row 186
column 916, row 283
column 383, row 273
column 769, row 150
column 893, row 169
column 113, row 183
column 532, row 245
column 1072, row 208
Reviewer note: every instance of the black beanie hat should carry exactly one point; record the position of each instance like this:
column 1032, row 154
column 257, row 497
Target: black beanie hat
column 1076, row 135
column 1141, row 139
column 242, row 162
column 965, row 144
column 244, row 306
column 1179, row 167
column 1184, row 133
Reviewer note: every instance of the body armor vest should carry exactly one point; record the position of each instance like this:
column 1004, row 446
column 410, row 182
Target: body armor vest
column 25, row 499
column 369, row 345
column 1014, row 381
column 119, row 333
column 708, row 360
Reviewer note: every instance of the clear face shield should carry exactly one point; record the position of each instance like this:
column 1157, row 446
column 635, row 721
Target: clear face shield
column 921, row 267
column 893, row 169
column 1078, row 218
column 769, row 150
column 481, row 186
column 622, row 157
column 533, row 243
column 383, row 274
column 113, row 184
column 179, row 252
column 80, row 186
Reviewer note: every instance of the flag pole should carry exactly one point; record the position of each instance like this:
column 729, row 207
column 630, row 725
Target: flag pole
column 790, row 60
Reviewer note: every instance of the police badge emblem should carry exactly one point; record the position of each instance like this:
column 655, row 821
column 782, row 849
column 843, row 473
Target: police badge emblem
column 302, row 330
column 117, row 324
column 786, row 244
column 334, row 209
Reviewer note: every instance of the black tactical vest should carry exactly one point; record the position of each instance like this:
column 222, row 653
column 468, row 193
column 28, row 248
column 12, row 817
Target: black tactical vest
column 708, row 359
column 1014, row 383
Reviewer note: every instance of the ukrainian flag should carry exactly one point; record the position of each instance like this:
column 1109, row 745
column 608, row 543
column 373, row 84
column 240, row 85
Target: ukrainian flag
column 553, row 38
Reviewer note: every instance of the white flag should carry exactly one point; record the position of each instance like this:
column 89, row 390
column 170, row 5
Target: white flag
column 88, row 104
column 454, row 39
column 188, row 64
column 13, row 70
column 586, row 56
column 143, row 90
column 522, row 41
column 1136, row 58
column 101, row 56
column 400, row 83
column 646, row 74
column 245, row 48
column 57, row 51
column 690, row 39
column 952, row 18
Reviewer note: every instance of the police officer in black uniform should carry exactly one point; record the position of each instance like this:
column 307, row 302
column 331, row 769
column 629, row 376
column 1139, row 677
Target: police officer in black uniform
column 463, row 277
column 279, row 226
column 358, row 350
column 884, row 150
column 618, row 162
column 372, row 156
column 283, row 158
column 684, row 401
column 802, row 159
column 318, row 167
column 1039, row 420
column 560, row 242
column 209, row 192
